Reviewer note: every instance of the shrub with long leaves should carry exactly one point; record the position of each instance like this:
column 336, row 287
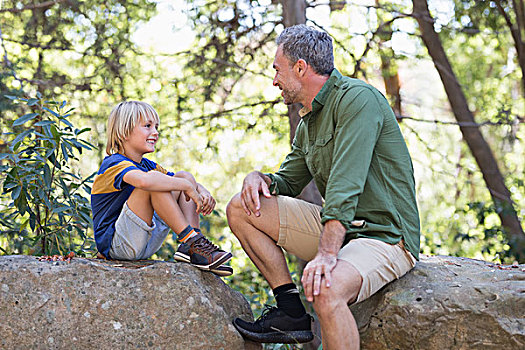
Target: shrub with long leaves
column 47, row 207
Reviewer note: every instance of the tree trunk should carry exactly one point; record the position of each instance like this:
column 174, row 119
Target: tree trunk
column 389, row 69
column 472, row 135
column 517, row 29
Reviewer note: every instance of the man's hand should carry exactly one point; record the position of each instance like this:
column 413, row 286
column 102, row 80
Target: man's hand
column 253, row 184
column 208, row 202
column 317, row 271
column 320, row 269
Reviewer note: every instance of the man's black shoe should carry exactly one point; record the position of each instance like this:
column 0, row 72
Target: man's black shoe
column 275, row 326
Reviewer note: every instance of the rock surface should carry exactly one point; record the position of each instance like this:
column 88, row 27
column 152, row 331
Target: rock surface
column 447, row 303
column 94, row 304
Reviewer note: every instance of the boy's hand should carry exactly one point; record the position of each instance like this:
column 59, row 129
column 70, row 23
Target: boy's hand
column 208, row 202
column 194, row 196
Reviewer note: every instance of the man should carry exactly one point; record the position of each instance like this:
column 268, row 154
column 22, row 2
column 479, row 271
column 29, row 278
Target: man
column 367, row 233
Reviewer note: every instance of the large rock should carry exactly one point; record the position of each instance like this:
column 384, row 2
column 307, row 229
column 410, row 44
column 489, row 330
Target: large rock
column 447, row 303
column 92, row 304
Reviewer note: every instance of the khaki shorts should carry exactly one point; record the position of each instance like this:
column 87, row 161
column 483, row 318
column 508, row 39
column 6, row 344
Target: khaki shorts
column 378, row 262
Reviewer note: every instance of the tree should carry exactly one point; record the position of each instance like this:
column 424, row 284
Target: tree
column 91, row 40
column 478, row 146
column 363, row 50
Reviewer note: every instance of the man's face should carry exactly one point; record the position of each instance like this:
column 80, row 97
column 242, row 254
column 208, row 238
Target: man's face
column 285, row 78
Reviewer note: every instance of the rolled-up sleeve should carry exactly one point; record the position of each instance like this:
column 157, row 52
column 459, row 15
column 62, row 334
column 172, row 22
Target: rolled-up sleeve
column 359, row 122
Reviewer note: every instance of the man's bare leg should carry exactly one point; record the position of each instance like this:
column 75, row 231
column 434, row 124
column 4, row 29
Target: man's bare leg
column 338, row 326
column 258, row 237
column 289, row 322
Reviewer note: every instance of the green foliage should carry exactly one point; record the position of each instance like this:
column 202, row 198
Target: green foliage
column 47, row 211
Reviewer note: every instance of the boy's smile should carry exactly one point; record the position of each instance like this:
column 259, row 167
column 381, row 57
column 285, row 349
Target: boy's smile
column 141, row 140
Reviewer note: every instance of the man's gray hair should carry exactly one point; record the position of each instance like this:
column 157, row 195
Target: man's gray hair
column 313, row 46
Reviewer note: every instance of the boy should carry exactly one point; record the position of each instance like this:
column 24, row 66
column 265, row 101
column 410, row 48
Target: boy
column 135, row 201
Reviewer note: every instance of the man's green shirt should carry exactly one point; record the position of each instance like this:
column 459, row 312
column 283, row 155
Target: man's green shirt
column 351, row 145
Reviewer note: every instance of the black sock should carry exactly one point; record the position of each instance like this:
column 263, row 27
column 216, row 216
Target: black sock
column 288, row 300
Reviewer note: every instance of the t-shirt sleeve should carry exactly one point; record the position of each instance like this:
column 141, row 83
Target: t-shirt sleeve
column 120, row 170
column 110, row 177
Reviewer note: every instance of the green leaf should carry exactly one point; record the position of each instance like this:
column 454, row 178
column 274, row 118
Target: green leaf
column 9, row 185
column 4, row 155
column 32, row 221
column 52, row 112
column 38, row 94
column 16, row 192
column 11, row 97
column 67, row 122
column 24, row 119
column 64, row 151
column 85, row 216
column 47, row 175
column 60, row 209
column 54, row 132
column 52, row 158
column 44, row 122
column 88, row 145
column 78, row 132
column 32, row 101
column 16, row 142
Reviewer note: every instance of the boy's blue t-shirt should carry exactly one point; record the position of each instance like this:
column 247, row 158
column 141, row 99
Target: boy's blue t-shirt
column 110, row 192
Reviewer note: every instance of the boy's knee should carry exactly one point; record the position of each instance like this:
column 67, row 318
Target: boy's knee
column 186, row 175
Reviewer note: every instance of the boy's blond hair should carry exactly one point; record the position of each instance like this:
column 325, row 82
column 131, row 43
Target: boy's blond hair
column 123, row 119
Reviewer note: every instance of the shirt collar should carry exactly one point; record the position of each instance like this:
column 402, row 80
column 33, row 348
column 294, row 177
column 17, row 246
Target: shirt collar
column 322, row 95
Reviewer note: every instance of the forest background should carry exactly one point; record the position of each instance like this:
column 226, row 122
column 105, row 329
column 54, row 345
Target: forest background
column 453, row 71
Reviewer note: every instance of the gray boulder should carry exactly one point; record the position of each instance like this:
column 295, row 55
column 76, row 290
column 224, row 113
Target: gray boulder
column 447, row 303
column 95, row 304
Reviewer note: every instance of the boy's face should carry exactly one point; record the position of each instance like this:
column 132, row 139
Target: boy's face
column 142, row 139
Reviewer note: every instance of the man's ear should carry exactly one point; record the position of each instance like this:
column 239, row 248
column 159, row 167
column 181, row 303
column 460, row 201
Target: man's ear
column 300, row 67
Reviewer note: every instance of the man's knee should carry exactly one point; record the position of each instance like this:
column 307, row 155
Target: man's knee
column 334, row 297
column 234, row 209
column 327, row 301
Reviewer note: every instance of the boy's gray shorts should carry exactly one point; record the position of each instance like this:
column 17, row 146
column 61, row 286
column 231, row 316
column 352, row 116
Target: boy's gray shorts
column 134, row 239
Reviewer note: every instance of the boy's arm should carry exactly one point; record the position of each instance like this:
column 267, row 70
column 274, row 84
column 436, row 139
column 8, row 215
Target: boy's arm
column 156, row 181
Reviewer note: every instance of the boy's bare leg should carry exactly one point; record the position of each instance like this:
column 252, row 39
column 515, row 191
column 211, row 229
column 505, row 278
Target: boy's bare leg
column 172, row 207
column 188, row 207
column 258, row 237
column 143, row 203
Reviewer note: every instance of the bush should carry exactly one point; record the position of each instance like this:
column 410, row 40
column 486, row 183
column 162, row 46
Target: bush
column 46, row 209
